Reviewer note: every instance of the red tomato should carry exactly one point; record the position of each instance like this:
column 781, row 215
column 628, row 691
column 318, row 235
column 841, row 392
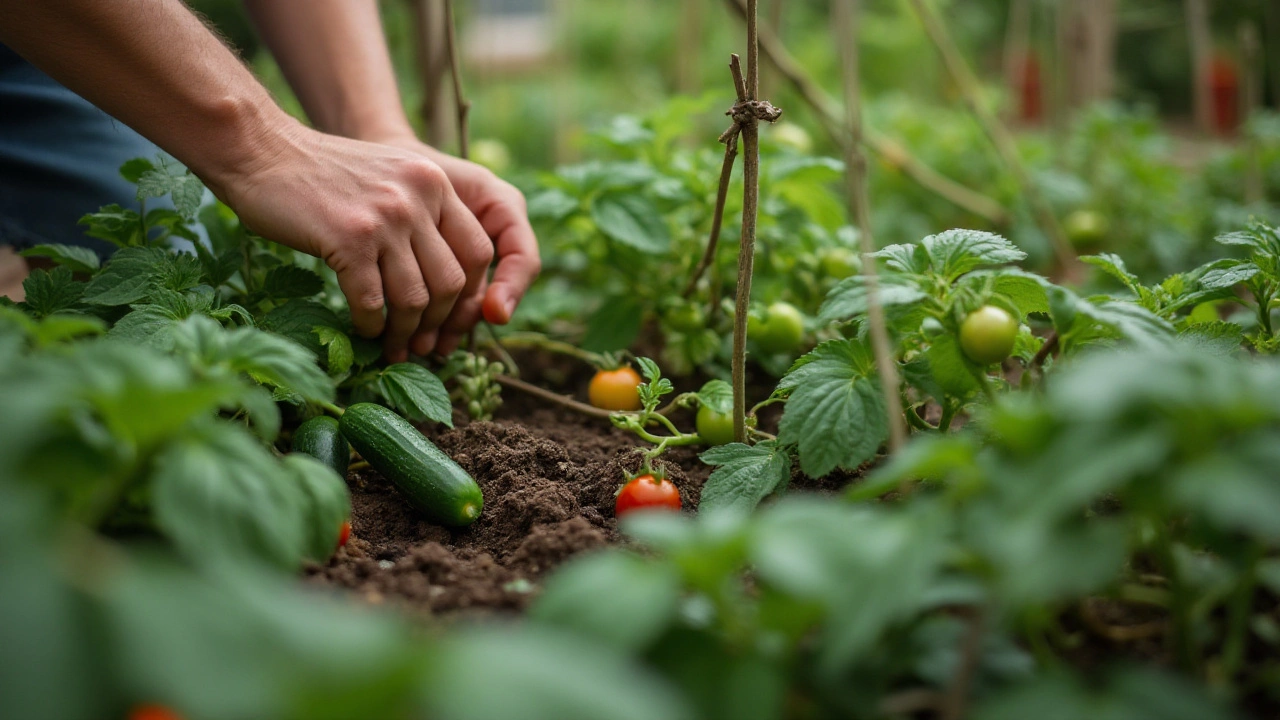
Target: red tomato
column 615, row 389
column 646, row 491
column 153, row 712
column 345, row 533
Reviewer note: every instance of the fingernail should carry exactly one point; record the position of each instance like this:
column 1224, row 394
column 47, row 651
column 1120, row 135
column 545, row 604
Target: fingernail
column 510, row 306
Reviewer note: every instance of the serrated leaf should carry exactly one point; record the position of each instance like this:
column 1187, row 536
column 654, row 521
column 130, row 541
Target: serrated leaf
column 849, row 298
column 298, row 319
column 717, row 395
column 59, row 328
column 835, row 413
column 1113, row 265
column 1214, row 338
column 267, row 358
column 218, row 269
column 179, row 271
column 133, row 170
column 416, row 393
column 290, row 281
column 259, row 405
column 114, row 224
column 614, row 326
column 906, row 258
column 217, row 493
column 52, row 291
column 128, row 277
column 365, row 351
column 633, row 221
column 1229, row 275
column 172, row 179
column 1025, row 290
column 744, row 475
column 73, row 257
column 956, row 252
column 1132, row 322
column 338, row 345
column 146, row 325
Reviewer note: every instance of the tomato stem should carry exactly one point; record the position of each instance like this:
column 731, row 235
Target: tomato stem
column 332, row 409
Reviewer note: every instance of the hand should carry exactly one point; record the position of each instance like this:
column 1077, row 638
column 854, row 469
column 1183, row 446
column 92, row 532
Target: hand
column 500, row 209
column 389, row 223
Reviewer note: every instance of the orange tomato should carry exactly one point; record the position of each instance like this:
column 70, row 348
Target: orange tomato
column 615, row 389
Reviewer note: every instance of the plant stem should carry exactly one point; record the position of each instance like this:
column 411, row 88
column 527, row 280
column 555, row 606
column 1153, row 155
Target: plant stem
column 331, row 408
column 890, row 150
column 455, row 68
column 717, row 219
column 747, row 241
column 568, row 402
column 996, row 132
column 957, row 695
column 542, row 342
column 1239, row 607
column 845, row 22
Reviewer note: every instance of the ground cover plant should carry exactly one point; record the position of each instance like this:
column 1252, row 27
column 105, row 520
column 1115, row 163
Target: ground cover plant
column 607, row 512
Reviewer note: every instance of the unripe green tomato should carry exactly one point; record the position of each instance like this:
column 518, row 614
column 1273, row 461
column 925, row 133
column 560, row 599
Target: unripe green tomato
column 792, row 136
column 987, row 335
column 1086, row 228
column 685, row 318
column 781, row 330
column 492, row 154
column 839, row 263
column 714, row 427
column 932, row 327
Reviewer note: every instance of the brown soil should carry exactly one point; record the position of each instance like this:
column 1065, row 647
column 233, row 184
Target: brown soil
column 548, row 476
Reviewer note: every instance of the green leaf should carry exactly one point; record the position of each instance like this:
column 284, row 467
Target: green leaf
column 717, row 395
column 956, row 252
column 148, row 325
column 416, row 393
column 60, row 328
column 172, row 178
column 290, row 281
column 1114, row 266
column 340, row 354
column 614, row 326
column 1024, row 290
column 217, row 493
column 551, row 204
column 328, row 503
column 114, row 224
column 218, row 269
column 836, row 411
column 744, row 475
column 52, row 291
column 73, row 257
column 950, row 369
column 544, row 675
column 1228, row 273
column 590, row 594
column 633, row 221
column 297, row 320
column 179, row 271
column 128, row 277
column 848, row 299
column 1216, row 338
column 133, row 170
column 267, row 358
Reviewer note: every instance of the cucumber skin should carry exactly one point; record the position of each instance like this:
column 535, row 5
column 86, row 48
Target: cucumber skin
column 433, row 482
column 321, row 438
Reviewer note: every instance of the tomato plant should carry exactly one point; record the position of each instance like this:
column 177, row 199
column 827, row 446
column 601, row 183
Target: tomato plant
column 615, row 389
column 987, row 335
column 716, row 428
column 647, row 492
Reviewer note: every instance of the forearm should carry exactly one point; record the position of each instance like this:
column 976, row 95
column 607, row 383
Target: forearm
column 335, row 57
column 153, row 65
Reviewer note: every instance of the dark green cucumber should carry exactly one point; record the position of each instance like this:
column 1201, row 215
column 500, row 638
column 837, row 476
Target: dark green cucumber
column 432, row 481
column 321, row 438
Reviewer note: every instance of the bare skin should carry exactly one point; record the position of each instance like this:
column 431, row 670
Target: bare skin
column 405, row 227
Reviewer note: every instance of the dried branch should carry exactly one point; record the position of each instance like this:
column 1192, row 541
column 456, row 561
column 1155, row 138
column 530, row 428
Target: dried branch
column 722, row 192
column 569, row 403
column 845, row 27
column 996, row 132
column 455, row 69
column 890, row 150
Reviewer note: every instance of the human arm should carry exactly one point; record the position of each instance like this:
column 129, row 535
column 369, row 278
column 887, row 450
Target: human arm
column 334, row 54
column 385, row 219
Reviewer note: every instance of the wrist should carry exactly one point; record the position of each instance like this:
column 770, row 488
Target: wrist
column 242, row 136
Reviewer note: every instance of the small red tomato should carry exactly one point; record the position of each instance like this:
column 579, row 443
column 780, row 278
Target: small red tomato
column 153, row 712
column 646, row 491
column 615, row 389
column 345, row 533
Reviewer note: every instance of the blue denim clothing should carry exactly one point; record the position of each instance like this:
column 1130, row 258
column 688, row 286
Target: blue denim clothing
column 59, row 159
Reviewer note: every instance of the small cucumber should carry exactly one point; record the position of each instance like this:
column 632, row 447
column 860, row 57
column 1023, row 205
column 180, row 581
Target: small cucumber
column 433, row 482
column 320, row 438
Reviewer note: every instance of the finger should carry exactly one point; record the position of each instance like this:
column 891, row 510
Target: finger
column 506, row 220
column 362, row 285
column 463, row 320
column 444, row 278
column 467, row 238
column 407, row 298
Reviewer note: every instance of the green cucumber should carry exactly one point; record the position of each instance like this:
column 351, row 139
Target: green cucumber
column 320, row 438
column 433, row 482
